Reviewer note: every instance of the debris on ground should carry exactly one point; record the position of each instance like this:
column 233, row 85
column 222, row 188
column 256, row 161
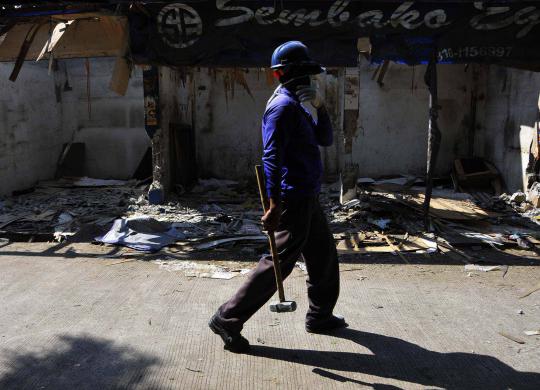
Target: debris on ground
column 471, row 221
column 533, row 195
column 200, row 270
column 532, row 332
column 380, row 216
column 476, row 175
column 518, row 198
column 119, row 213
column 302, row 266
column 486, row 268
column 142, row 233
column 60, row 209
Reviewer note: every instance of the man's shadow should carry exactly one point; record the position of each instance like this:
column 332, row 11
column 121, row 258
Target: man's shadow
column 395, row 358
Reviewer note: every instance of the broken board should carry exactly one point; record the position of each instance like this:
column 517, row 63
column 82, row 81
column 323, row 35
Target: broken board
column 357, row 244
column 452, row 209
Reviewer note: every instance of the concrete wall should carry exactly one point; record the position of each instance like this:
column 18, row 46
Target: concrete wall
column 40, row 113
column 31, row 133
column 112, row 127
column 393, row 123
column 228, row 129
column 510, row 122
column 390, row 138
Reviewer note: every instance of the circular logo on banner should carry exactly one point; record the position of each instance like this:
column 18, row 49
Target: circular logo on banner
column 179, row 25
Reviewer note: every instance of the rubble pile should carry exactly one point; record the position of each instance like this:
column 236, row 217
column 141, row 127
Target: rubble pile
column 62, row 208
column 381, row 216
column 525, row 205
column 387, row 216
column 215, row 213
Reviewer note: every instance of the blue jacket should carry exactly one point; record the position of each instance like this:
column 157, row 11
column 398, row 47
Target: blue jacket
column 291, row 139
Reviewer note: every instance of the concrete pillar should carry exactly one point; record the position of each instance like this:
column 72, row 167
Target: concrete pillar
column 160, row 139
column 169, row 95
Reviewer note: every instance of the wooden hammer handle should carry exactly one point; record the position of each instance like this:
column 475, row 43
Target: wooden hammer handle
column 271, row 238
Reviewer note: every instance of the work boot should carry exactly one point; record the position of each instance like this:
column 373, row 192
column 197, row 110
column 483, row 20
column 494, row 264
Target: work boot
column 234, row 341
column 326, row 325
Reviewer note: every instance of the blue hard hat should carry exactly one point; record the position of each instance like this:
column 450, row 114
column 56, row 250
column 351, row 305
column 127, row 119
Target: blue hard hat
column 294, row 54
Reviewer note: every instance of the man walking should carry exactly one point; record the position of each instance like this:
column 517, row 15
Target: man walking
column 293, row 170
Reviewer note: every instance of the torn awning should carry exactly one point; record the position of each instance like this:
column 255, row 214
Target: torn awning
column 73, row 36
column 244, row 33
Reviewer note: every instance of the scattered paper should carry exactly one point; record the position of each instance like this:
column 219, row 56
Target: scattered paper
column 199, row 270
column 302, row 266
column 486, row 268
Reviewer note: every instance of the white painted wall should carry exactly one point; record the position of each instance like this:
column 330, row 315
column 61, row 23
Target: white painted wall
column 228, row 128
column 392, row 134
column 38, row 115
column 31, row 134
column 392, row 128
column 510, row 121
column 113, row 130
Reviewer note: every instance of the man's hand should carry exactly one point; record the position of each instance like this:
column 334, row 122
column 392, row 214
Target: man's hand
column 310, row 93
column 271, row 218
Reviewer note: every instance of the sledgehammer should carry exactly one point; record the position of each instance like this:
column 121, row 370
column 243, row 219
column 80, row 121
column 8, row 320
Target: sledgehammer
column 282, row 306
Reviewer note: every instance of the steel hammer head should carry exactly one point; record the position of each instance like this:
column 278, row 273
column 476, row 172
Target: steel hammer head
column 283, row 307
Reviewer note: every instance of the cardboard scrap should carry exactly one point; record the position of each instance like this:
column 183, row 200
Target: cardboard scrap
column 454, row 209
column 120, row 77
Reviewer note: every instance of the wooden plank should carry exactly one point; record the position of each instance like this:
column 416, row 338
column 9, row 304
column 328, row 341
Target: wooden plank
column 120, row 78
column 454, row 209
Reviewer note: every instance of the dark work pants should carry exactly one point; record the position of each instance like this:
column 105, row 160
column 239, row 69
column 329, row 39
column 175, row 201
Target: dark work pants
column 303, row 231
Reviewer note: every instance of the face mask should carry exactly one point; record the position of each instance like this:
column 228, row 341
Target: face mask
column 314, row 81
column 292, row 80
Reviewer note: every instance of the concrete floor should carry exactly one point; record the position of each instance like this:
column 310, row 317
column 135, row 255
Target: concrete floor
column 71, row 320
